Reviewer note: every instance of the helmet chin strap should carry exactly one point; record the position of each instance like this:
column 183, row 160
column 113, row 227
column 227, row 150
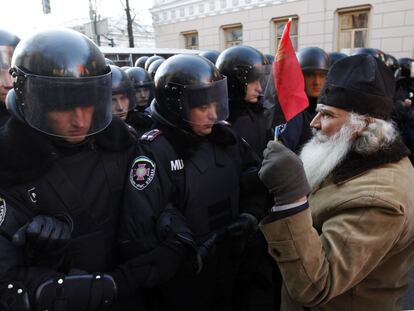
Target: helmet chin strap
column 13, row 107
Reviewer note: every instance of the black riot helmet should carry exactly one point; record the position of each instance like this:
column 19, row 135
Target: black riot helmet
column 122, row 84
column 8, row 42
column 150, row 60
column 241, row 65
column 392, row 63
column 334, row 57
column 407, row 67
column 184, row 82
column 140, row 62
column 270, row 58
column 109, row 61
column 59, row 71
column 370, row 51
column 211, row 55
column 312, row 59
column 152, row 69
column 143, row 84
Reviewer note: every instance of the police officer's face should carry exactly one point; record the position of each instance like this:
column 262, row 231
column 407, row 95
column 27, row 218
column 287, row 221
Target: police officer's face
column 120, row 105
column 253, row 91
column 142, row 95
column 202, row 119
column 5, row 78
column 314, row 82
column 72, row 125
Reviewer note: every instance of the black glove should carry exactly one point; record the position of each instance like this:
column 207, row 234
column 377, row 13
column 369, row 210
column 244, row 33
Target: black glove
column 43, row 233
column 282, row 173
column 172, row 226
column 149, row 270
column 245, row 225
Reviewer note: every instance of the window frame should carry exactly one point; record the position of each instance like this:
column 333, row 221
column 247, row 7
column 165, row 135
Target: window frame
column 225, row 29
column 350, row 11
column 274, row 37
column 188, row 34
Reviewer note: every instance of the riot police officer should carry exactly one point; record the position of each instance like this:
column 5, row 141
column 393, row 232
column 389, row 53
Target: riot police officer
column 334, row 57
column 8, row 42
column 211, row 55
column 150, row 60
column 403, row 113
column 140, row 62
column 139, row 118
column 247, row 71
column 123, row 95
column 152, row 69
column 196, row 165
column 63, row 161
column 314, row 63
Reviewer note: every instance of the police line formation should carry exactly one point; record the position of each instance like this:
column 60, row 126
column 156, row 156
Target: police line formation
column 160, row 186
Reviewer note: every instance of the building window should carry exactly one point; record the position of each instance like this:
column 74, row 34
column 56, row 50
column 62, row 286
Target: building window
column 223, row 4
column 233, row 35
column 191, row 40
column 235, row 2
column 173, row 14
column 191, row 10
column 352, row 29
column 201, row 8
column 279, row 26
column 211, row 5
column 182, row 12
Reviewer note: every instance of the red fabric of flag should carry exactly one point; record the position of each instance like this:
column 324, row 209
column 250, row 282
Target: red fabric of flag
column 289, row 82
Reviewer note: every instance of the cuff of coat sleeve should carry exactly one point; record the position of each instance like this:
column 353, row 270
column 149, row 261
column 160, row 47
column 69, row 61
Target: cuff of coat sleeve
column 283, row 211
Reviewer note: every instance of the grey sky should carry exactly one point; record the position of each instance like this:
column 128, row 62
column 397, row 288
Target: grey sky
column 25, row 16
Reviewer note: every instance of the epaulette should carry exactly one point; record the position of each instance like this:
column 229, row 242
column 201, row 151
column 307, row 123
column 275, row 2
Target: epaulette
column 150, row 135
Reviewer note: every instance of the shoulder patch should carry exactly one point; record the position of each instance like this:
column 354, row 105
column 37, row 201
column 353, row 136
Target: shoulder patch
column 150, row 135
column 142, row 172
column 2, row 210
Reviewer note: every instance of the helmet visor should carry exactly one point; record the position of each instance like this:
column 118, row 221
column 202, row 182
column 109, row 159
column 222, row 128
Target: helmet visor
column 144, row 94
column 67, row 107
column 6, row 53
column 251, row 74
column 206, row 104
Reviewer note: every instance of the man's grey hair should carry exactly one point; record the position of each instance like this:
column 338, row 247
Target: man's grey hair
column 378, row 135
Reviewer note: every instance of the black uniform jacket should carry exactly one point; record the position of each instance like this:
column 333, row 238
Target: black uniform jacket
column 81, row 184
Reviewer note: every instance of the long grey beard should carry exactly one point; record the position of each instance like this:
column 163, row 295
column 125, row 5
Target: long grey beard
column 322, row 154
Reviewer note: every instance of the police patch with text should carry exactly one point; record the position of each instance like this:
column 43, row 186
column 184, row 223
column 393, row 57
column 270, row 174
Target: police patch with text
column 2, row 210
column 142, row 172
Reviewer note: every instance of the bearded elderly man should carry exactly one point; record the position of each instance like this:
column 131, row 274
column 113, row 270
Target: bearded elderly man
column 350, row 244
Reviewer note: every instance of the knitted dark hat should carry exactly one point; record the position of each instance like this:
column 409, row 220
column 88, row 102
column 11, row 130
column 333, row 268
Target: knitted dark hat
column 362, row 84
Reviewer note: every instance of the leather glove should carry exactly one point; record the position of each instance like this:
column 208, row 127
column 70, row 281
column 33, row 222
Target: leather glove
column 172, row 226
column 244, row 225
column 43, row 233
column 282, row 173
column 148, row 270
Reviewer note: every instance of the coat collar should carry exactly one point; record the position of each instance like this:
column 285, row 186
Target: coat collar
column 26, row 154
column 356, row 164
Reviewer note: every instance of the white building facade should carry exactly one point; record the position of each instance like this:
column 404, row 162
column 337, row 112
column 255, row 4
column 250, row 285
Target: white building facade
column 334, row 25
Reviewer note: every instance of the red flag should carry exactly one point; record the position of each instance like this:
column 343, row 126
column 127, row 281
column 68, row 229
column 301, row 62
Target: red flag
column 289, row 82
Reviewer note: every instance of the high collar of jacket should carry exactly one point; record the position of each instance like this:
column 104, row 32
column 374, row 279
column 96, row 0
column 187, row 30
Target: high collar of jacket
column 241, row 107
column 356, row 164
column 185, row 143
column 26, row 154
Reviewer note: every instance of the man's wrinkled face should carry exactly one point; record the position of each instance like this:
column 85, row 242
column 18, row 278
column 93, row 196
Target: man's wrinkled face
column 6, row 84
column 314, row 82
column 329, row 120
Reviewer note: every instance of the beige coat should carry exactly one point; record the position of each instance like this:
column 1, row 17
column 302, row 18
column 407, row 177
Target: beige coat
column 353, row 248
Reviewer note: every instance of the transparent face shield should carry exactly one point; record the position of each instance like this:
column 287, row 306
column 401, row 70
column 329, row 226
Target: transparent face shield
column 412, row 70
column 67, row 107
column 253, row 74
column 144, row 93
column 205, row 104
